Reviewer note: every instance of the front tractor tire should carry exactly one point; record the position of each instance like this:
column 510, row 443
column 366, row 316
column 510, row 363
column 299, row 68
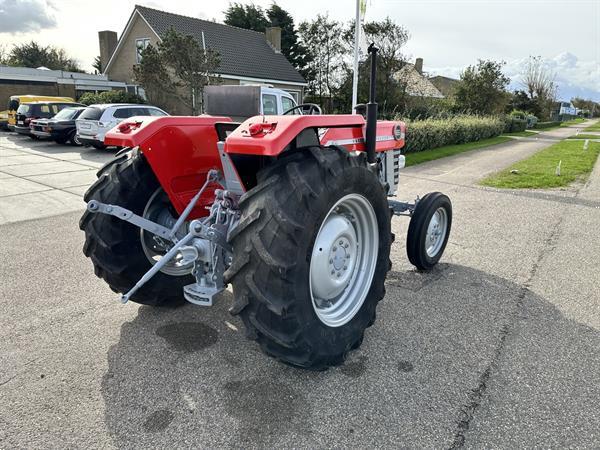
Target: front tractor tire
column 120, row 252
column 311, row 254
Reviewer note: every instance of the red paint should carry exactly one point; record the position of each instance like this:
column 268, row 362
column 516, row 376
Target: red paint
column 283, row 129
column 269, row 135
column 180, row 150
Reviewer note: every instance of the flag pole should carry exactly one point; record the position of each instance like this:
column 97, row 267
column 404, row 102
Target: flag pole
column 355, row 68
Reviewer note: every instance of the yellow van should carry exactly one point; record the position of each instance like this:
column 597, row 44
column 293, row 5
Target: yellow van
column 16, row 100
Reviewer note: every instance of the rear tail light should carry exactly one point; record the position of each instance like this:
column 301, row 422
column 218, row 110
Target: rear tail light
column 261, row 128
column 126, row 127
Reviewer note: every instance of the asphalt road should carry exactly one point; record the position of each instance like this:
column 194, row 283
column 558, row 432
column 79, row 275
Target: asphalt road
column 496, row 348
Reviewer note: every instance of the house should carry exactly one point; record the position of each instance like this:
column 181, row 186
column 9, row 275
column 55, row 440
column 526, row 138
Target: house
column 246, row 56
column 415, row 81
column 29, row 81
column 446, row 85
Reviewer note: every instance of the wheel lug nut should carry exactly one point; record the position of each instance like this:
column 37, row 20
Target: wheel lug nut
column 341, row 242
column 346, row 246
column 334, row 248
column 332, row 272
column 345, row 267
column 339, row 274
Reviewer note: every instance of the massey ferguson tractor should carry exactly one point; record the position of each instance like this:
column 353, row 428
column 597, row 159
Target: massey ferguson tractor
column 291, row 210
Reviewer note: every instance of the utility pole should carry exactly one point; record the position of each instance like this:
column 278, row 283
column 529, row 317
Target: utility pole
column 357, row 28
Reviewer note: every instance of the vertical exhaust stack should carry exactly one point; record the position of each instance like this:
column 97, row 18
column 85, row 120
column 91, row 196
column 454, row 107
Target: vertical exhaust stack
column 371, row 131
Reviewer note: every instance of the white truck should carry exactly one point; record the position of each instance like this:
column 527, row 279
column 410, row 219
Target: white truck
column 241, row 102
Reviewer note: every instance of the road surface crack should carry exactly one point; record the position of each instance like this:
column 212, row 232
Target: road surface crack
column 468, row 410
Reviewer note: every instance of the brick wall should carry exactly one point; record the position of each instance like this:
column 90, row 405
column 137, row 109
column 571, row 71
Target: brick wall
column 10, row 87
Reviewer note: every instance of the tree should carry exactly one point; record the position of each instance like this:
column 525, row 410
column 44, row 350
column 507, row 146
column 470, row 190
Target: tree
column 482, row 89
column 34, row 55
column 177, row 67
column 390, row 38
column 539, row 82
column 521, row 101
column 291, row 47
column 3, row 55
column 250, row 17
column 97, row 64
column 323, row 39
column 591, row 107
column 253, row 17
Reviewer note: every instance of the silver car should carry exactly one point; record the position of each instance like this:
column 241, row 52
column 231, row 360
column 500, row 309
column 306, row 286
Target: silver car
column 96, row 120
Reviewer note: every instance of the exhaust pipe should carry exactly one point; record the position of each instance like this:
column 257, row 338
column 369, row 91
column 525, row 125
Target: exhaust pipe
column 371, row 131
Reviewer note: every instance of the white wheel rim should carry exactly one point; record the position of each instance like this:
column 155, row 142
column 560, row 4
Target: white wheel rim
column 436, row 232
column 157, row 211
column 343, row 260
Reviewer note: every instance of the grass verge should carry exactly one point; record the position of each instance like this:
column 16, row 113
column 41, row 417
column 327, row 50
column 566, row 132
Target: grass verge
column 449, row 150
column 539, row 170
column 566, row 123
column 585, row 136
column 525, row 133
column 595, row 127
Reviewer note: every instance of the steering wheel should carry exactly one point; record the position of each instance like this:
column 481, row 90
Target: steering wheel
column 306, row 109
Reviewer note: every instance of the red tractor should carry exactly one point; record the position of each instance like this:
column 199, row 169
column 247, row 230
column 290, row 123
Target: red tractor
column 291, row 210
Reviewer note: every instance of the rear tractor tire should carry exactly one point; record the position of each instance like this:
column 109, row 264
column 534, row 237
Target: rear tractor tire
column 121, row 252
column 311, row 254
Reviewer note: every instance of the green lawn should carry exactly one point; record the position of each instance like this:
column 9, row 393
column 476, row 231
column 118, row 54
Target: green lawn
column 449, row 150
column 539, row 170
column 526, row 133
column 584, row 136
column 566, row 123
column 595, row 127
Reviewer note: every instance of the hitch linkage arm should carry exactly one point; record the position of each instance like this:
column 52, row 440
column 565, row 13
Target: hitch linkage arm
column 95, row 206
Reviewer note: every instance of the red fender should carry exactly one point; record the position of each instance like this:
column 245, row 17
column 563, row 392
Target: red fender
column 181, row 150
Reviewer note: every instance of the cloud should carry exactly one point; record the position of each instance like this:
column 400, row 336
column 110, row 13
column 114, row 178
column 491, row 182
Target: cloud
column 22, row 16
column 574, row 77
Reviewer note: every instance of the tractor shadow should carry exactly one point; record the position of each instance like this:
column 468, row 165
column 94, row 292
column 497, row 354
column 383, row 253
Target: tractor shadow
column 189, row 376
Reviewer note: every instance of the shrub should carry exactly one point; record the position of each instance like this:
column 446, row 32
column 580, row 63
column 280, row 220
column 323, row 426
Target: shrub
column 432, row 133
column 540, row 125
column 90, row 98
column 514, row 123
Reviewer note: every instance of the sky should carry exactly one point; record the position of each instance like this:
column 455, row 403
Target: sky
column 448, row 34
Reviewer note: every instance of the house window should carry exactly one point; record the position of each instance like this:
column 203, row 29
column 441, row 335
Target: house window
column 140, row 46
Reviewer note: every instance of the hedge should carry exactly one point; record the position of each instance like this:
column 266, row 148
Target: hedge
column 546, row 124
column 90, row 98
column 514, row 124
column 432, row 133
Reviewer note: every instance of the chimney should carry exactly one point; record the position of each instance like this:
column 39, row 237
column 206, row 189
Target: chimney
column 273, row 35
column 108, row 43
column 419, row 65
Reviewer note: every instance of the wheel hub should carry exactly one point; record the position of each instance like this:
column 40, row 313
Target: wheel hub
column 436, row 232
column 343, row 260
column 157, row 210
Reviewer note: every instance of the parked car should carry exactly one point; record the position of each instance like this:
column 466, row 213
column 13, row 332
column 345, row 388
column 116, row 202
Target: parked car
column 96, row 120
column 16, row 100
column 4, row 120
column 60, row 128
column 37, row 110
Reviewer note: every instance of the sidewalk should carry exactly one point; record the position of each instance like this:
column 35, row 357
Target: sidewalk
column 41, row 179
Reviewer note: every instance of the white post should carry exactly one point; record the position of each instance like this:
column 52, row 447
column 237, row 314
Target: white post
column 356, row 45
